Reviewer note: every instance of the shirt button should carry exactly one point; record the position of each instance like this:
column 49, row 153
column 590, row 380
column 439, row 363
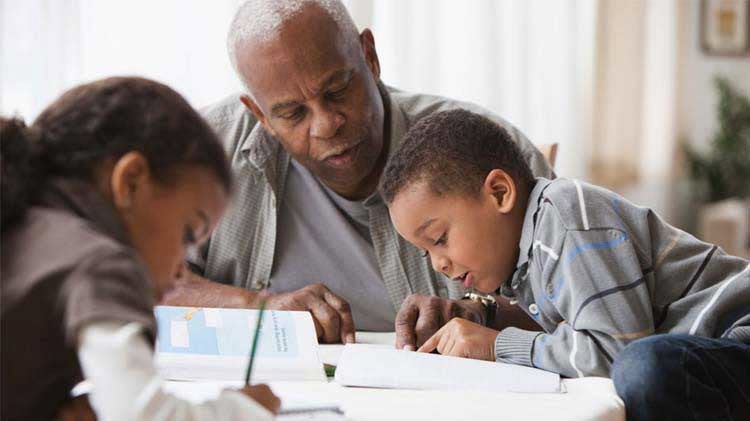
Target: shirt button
column 257, row 284
column 550, row 289
column 533, row 309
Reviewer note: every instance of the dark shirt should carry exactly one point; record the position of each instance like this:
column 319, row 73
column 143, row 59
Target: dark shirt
column 67, row 264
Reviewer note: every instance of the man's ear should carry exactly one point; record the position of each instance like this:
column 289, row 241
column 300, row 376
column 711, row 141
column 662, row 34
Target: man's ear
column 367, row 41
column 130, row 175
column 501, row 187
column 257, row 112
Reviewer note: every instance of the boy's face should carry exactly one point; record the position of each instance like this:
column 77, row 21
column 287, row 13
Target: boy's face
column 472, row 240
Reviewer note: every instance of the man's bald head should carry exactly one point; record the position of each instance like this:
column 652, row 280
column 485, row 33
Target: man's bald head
column 260, row 21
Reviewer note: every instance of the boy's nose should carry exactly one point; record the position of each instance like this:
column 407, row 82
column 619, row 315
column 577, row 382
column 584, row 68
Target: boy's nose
column 441, row 264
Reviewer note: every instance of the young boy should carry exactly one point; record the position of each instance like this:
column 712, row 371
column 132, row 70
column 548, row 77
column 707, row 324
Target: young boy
column 595, row 271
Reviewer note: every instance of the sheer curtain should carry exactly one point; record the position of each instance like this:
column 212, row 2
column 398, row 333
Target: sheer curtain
column 531, row 61
column 595, row 76
column 48, row 46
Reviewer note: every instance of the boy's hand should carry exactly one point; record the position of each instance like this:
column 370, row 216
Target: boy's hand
column 421, row 316
column 462, row 338
column 263, row 395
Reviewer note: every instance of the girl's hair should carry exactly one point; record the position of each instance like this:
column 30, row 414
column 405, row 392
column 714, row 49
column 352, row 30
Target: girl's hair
column 100, row 121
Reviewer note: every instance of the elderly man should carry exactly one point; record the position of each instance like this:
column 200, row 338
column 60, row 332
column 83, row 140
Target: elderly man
column 308, row 141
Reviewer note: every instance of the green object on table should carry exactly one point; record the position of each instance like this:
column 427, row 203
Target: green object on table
column 330, row 370
column 254, row 347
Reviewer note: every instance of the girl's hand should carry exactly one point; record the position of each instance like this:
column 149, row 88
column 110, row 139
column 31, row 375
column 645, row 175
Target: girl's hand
column 263, row 395
column 76, row 409
column 462, row 338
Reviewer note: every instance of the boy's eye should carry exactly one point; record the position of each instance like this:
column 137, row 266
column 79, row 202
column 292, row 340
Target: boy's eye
column 441, row 241
column 188, row 237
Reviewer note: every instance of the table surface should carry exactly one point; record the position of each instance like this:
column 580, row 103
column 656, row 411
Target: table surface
column 591, row 398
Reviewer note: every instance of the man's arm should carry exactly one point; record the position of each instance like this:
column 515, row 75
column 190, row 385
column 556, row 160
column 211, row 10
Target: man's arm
column 331, row 314
column 192, row 290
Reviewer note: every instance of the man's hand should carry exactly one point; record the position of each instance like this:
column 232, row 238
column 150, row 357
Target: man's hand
column 462, row 338
column 421, row 316
column 331, row 314
column 263, row 395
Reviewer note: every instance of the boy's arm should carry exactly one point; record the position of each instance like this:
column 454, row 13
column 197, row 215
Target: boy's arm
column 598, row 288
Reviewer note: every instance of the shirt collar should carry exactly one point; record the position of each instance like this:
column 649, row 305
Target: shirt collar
column 83, row 199
column 529, row 220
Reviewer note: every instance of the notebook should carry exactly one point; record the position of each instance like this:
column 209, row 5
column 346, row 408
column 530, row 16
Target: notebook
column 214, row 344
column 385, row 367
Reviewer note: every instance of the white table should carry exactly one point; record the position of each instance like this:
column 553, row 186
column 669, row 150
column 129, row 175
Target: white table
column 586, row 399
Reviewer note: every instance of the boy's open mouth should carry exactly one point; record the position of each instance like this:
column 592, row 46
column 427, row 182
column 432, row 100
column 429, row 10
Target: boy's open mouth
column 466, row 279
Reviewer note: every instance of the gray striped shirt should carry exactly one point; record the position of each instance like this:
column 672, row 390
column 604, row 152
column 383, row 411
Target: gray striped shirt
column 598, row 272
column 241, row 249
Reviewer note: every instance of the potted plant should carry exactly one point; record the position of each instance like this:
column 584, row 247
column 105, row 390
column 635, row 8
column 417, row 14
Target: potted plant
column 723, row 175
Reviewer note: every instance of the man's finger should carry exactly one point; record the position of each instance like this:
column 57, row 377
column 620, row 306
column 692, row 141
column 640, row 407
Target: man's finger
column 430, row 321
column 432, row 343
column 328, row 318
column 406, row 320
column 345, row 315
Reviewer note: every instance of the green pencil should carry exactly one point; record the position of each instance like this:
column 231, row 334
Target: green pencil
column 254, row 347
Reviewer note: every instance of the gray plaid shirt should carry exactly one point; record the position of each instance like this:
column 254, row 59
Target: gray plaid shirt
column 240, row 251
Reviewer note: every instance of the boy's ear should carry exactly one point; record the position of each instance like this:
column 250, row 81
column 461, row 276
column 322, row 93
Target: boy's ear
column 501, row 188
column 257, row 112
column 130, row 175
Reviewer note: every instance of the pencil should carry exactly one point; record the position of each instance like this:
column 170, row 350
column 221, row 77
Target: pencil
column 254, row 346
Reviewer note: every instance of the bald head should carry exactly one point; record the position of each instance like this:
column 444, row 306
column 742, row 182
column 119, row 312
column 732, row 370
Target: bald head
column 260, row 21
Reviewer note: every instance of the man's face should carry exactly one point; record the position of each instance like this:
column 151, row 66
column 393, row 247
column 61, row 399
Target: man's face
column 318, row 95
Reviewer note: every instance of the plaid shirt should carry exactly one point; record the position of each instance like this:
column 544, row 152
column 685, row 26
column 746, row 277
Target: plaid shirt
column 240, row 251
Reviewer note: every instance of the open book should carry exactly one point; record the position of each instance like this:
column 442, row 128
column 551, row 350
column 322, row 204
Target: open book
column 214, row 344
column 386, row 367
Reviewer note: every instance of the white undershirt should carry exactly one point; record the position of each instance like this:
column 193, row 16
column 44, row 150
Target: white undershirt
column 118, row 361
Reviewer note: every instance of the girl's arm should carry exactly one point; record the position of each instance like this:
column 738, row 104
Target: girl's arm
column 118, row 360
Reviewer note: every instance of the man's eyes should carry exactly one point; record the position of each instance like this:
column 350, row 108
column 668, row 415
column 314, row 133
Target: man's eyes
column 295, row 114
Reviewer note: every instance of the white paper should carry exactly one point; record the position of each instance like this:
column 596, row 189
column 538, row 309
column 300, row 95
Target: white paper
column 179, row 337
column 377, row 366
column 213, row 317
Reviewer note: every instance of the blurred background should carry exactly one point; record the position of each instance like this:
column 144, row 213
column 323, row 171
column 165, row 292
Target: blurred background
column 626, row 88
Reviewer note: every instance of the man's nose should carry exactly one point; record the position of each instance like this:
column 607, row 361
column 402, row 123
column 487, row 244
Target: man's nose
column 326, row 123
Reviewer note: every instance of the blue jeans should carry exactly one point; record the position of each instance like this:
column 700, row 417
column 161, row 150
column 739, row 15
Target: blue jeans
column 684, row 377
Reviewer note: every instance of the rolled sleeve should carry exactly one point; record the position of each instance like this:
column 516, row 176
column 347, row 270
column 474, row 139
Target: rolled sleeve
column 514, row 345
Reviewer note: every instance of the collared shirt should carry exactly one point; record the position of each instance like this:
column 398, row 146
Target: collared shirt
column 241, row 249
column 598, row 272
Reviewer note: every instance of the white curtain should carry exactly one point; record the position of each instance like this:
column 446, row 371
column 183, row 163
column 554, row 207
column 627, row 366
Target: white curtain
column 48, row 46
column 531, row 61
column 595, row 76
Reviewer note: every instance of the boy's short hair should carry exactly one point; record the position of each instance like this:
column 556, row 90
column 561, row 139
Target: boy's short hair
column 453, row 151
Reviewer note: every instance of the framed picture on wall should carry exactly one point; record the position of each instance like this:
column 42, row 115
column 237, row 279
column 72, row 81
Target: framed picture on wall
column 725, row 27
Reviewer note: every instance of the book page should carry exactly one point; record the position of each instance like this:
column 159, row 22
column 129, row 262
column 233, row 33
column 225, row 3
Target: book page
column 214, row 344
column 381, row 367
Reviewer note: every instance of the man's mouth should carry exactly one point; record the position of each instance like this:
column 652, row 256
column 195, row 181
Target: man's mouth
column 343, row 157
column 466, row 279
